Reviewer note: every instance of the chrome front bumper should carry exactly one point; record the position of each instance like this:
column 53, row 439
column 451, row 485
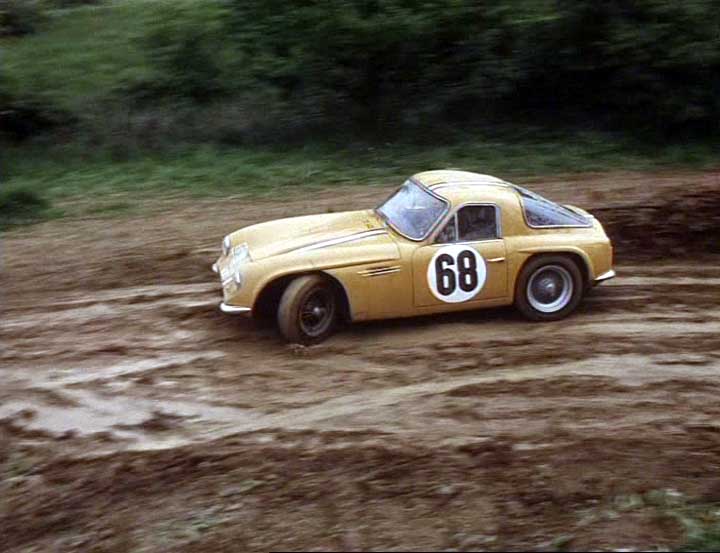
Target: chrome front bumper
column 234, row 309
column 605, row 276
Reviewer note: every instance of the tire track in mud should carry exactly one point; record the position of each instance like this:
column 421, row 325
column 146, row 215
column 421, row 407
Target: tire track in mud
column 111, row 398
column 139, row 323
column 434, row 431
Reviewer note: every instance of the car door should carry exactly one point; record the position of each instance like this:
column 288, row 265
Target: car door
column 466, row 261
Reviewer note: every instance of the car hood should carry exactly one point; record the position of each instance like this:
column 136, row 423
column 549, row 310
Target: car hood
column 309, row 233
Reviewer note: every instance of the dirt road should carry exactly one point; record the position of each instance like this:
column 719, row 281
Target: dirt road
column 136, row 417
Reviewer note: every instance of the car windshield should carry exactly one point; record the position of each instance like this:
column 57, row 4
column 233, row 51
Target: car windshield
column 412, row 210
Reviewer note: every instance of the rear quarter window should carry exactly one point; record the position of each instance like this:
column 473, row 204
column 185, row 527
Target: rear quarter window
column 540, row 212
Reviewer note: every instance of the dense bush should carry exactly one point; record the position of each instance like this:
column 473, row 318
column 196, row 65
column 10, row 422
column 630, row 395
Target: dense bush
column 20, row 17
column 651, row 63
column 643, row 64
column 381, row 63
column 185, row 48
column 232, row 71
column 19, row 205
column 71, row 3
column 27, row 117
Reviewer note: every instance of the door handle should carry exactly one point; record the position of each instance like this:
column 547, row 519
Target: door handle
column 496, row 260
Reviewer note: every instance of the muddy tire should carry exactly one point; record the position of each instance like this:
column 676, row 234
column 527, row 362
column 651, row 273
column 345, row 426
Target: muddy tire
column 308, row 310
column 549, row 288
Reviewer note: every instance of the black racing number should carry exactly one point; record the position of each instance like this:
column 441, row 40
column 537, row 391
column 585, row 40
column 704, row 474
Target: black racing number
column 453, row 271
column 467, row 271
column 446, row 282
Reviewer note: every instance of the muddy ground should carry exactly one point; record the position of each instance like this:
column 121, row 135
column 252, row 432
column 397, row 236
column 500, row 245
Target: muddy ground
column 136, row 417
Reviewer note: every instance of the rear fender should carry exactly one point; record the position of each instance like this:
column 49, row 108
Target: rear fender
column 524, row 254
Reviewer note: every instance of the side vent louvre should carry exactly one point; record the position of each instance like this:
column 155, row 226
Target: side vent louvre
column 380, row 271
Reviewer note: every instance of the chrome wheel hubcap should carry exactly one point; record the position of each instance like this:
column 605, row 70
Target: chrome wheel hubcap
column 550, row 288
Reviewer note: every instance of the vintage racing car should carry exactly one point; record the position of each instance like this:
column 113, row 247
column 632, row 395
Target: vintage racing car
column 444, row 241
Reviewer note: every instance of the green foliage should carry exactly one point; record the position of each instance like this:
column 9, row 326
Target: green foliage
column 20, row 205
column 185, row 48
column 61, row 4
column 27, row 116
column 379, row 65
column 21, row 119
column 73, row 172
column 146, row 75
column 82, row 56
column 653, row 63
column 20, row 17
column 705, row 540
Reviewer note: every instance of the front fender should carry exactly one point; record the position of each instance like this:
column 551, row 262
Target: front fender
column 339, row 261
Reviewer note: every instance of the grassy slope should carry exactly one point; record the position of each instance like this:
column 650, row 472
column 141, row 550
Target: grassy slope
column 81, row 53
column 207, row 171
column 85, row 53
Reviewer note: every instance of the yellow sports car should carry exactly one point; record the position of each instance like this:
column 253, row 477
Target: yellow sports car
column 444, row 241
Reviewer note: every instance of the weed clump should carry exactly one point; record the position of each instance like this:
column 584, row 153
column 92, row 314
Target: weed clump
column 21, row 206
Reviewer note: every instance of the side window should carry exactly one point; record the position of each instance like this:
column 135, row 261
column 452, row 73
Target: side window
column 540, row 212
column 449, row 233
column 477, row 222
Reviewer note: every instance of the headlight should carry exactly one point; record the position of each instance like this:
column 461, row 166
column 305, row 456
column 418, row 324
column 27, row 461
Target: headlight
column 241, row 252
column 231, row 267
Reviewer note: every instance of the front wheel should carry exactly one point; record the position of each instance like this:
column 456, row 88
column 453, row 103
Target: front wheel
column 308, row 310
column 549, row 288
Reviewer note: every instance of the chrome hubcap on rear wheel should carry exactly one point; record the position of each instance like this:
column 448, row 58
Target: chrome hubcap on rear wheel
column 317, row 312
column 550, row 288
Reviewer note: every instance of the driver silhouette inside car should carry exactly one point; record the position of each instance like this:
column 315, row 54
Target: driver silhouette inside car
column 477, row 223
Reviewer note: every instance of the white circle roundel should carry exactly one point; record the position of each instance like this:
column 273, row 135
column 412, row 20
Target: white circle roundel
column 456, row 273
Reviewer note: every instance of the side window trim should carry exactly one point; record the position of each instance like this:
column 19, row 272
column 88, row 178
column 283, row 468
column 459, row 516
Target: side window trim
column 454, row 217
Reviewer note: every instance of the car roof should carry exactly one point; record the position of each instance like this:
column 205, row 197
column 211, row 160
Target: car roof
column 464, row 186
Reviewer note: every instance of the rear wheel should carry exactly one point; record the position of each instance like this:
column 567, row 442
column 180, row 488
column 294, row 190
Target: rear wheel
column 308, row 310
column 549, row 288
